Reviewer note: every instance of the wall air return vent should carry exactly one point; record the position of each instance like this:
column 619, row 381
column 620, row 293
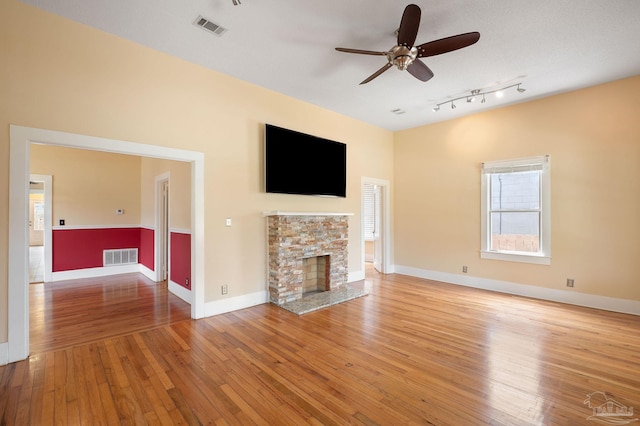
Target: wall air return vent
column 210, row 26
column 119, row 257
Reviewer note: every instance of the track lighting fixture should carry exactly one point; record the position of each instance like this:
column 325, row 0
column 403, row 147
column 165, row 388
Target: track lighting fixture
column 477, row 92
column 236, row 2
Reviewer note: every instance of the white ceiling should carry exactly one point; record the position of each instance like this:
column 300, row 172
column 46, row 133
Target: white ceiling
column 550, row 46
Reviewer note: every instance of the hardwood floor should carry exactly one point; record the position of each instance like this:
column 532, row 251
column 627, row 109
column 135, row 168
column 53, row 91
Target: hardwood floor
column 68, row 313
column 411, row 352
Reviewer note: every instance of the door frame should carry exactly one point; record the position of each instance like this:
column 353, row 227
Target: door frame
column 162, row 240
column 18, row 274
column 48, row 223
column 385, row 222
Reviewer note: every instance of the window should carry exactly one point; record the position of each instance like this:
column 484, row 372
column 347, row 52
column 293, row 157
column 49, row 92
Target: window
column 516, row 210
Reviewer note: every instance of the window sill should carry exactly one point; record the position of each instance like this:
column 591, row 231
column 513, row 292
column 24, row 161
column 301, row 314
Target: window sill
column 516, row 257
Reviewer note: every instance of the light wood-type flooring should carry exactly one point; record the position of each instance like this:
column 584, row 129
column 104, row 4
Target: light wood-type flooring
column 413, row 351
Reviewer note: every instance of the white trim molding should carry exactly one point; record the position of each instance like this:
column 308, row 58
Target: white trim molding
column 4, row 353
column 356, row 276
column 147, row 272
column 231, row 304
column 180, row 231
column 180, row 291
column 81, row 227
column 550, row 294
column 100, row 271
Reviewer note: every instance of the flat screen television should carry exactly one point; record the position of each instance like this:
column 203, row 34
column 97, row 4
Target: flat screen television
column 297, row 163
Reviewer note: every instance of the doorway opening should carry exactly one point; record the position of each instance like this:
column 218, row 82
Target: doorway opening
column 39, row 226
column 375, row 225
column 18, row 290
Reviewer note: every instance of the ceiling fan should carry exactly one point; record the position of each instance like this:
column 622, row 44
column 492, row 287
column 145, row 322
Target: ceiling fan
column 406, row 56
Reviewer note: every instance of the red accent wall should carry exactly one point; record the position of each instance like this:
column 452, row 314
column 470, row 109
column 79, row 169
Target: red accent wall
column 180, row 268
column 147, row 249
column 82, row 248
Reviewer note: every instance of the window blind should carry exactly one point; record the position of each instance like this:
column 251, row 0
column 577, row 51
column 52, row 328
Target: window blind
column 514, row 166
column 368, row 211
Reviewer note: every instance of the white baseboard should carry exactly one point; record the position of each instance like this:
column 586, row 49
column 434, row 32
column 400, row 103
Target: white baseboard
column 181, row 292
column 355, row 276
column 230, row 304
column 570, row 297
column 148, row 273
column 94, row 272
column 4, row 353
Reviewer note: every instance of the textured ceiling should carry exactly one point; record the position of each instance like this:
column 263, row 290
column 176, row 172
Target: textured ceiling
column 549, row 46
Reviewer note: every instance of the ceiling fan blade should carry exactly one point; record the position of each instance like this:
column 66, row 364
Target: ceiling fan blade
column 362, row 52
column 409, row 25
column 377, row 73
column 419, row 70
column 447, row 44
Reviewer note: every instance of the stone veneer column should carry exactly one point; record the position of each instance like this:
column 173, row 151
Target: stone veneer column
column 295, row 236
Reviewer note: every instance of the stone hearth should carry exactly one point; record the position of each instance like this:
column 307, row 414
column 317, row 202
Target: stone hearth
column 297, row 236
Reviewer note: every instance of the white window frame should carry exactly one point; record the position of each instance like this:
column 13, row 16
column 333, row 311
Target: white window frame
column 543, row 257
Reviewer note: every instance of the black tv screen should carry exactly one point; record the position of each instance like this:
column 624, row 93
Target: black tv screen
column 297, row 163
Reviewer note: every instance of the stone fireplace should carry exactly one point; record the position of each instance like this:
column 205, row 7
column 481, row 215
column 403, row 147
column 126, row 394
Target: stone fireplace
column 307, row 254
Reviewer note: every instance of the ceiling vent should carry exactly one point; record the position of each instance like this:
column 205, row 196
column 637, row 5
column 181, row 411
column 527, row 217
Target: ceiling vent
column 210, row 26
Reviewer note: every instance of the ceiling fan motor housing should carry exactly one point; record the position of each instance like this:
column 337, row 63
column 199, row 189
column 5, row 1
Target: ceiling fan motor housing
column 402, row 56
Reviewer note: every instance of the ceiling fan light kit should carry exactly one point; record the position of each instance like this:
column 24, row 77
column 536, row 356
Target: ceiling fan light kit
column 405, row 56
column 477, row 92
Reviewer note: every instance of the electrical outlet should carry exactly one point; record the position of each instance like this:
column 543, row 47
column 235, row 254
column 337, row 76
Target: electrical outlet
column 464, row 269
column 569, row 282
column 224, row 288
column 186, row 282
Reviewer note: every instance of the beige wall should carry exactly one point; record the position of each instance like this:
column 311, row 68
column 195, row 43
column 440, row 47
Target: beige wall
column 592, row 137
column 60, row 75
column 89, row 186
column 179, row 192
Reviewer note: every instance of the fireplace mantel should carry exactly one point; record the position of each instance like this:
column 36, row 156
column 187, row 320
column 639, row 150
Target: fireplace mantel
column 279, row 213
